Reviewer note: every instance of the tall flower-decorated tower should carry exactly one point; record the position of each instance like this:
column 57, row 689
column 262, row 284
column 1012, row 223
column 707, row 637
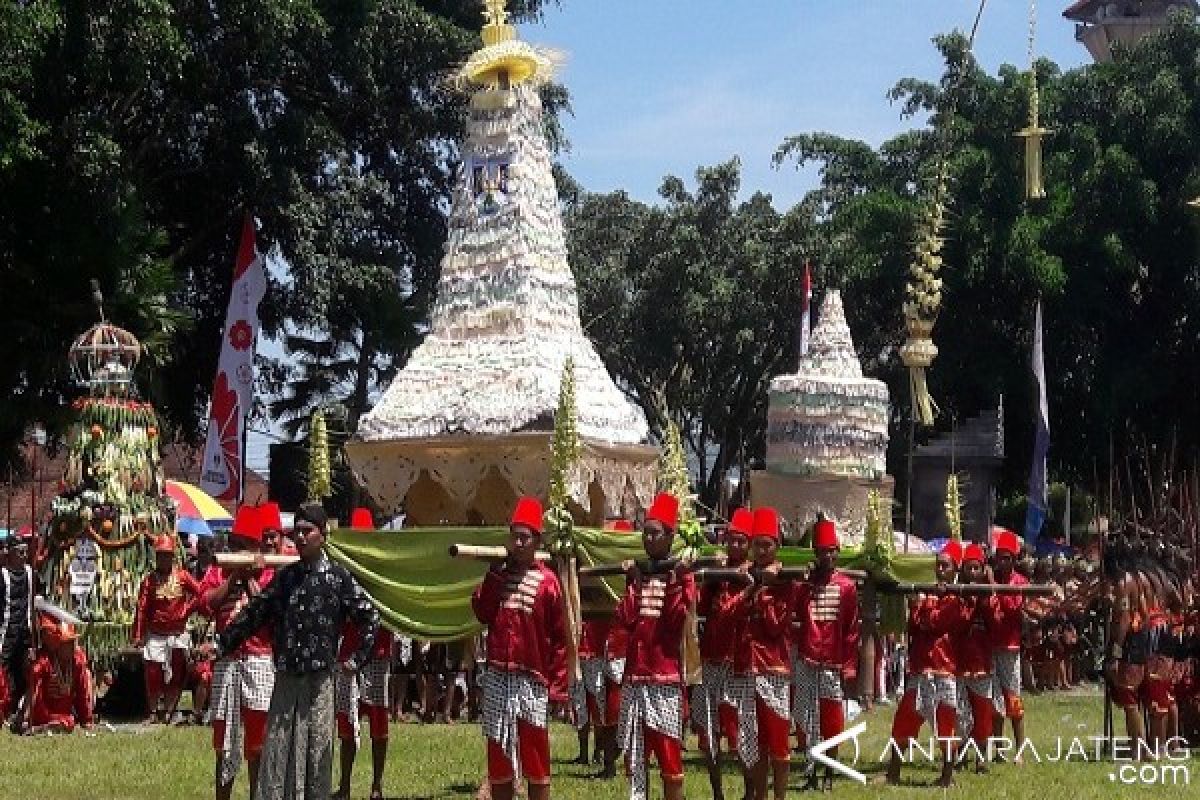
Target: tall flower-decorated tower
column 827, row 434
column 111, row 501
column 465, row 427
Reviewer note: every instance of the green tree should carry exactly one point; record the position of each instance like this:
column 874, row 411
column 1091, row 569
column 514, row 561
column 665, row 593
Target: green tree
column 693, row 306
column 134, row 134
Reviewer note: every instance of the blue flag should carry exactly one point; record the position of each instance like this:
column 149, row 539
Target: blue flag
column 1039, row 500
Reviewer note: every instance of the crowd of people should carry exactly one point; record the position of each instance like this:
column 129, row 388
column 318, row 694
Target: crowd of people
column 282, row 661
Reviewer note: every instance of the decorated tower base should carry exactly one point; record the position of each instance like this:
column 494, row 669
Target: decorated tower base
column 465, row 427
column 827, row 434
column 111, row 500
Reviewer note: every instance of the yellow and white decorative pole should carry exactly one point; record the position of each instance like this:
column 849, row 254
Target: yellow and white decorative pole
column 1033, row 133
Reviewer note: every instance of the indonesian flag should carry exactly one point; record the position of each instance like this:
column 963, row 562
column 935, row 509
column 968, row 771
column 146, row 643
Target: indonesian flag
column 805, row 312
column 233, row 390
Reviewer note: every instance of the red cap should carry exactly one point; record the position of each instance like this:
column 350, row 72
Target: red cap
column 973, row 552
column 164, row 543
column 1007, row 542
column 953, row 550
column 54, row 632
column 825, row 534
column 766, row 523
column 742, row 522
column 664, row 509
column 361, row 520
column 269, row 518
column 248, row 523
column 622, row 525
column 528, row 513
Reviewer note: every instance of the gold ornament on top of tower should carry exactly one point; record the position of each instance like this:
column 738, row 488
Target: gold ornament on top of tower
column 504, row 60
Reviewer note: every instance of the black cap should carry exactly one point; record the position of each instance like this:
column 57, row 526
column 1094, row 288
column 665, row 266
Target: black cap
column 314, row 514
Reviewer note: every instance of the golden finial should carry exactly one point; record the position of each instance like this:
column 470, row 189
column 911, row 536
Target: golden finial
column 497, row 29
column 1034, row 132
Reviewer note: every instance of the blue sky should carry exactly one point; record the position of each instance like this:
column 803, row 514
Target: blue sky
column 661, row 87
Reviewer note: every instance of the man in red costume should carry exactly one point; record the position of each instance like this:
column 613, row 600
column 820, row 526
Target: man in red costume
column 521, row 603
column 616, row 645
column 165, row 601
column 362, row 693
column 825, row 633
column 713, row 714
column 1008, row 612
column 973, row 651
column 589, row 695
column 60, row 684
column 931, row 691
column 243, row 679
column 761, row 686
column 654, row 611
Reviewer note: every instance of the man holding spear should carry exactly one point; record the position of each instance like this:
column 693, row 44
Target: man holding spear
column 521, row 603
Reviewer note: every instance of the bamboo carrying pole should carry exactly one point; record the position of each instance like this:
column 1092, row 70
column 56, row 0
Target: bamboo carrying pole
column 248, row 560
column 1030, row 590
column 481, row 552
column 786, row 573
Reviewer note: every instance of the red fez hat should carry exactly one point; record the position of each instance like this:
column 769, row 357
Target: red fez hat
column 360, row 520
column 766, row 523
column 973, row 552
column 248, row 523
column 953, row 550
column 53, row 631
column 1007, row 542
column 621, row 525
column 269, row 518
column 664, row 509
column 528, row 514
column 164, row 544
column 825, row 534
column 742, row 522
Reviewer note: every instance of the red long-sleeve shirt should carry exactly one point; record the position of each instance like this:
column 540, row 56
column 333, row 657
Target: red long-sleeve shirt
column 1007, row 613
column 825, row 625
column 523, row 613
column 56, row 701
column 764, row 619
column 973, row 642
column 654, row 610
column 933, row 622
column 163, row 607
column 593, row 637
column 214, row 577
column 722, row 631
column 616, row 646
column 381, row 648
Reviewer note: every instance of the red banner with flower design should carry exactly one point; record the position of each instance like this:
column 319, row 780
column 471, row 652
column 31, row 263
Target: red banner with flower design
column 233, row 390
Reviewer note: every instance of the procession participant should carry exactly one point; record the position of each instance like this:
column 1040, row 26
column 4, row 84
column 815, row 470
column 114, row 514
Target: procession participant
column 930, row 693
column 521, row 603
column 305, row 605
column 1008, row 615
column 59, row 696
column 825, row 632
column 654, row 611
column 17, row 587
column 973, row 651
column 165, row 601
column 616, row 647
column 713, row 715
column 5, row 689
column 587, row 695
column 362, row 693
column 761, row 686
column 243, row 678
column 271, row 521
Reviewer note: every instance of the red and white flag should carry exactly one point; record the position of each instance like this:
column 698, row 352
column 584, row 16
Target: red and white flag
column 805, row 312
column 233, row 390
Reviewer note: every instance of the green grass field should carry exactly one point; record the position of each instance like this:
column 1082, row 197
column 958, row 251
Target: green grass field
column 446, row 762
